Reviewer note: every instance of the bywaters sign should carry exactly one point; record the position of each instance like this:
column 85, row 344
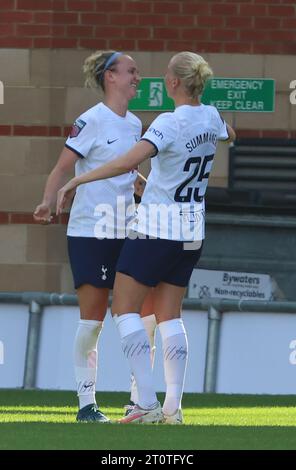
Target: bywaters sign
column 231, row 285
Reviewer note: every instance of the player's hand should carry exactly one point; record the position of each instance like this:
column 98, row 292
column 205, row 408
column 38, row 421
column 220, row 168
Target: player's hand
column 139, row 187
column 42, row 214
column 65, row 196
column 140, row 184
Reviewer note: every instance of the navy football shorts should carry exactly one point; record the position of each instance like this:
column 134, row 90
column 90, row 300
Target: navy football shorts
column 155, row 260
column 93, row 261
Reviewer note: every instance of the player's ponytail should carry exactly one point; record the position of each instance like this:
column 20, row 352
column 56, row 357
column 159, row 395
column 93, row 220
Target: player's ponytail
column 94, row 68
column 193, row 71
column 203, row 73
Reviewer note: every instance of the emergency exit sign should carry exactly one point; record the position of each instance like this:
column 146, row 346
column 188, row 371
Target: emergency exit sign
column 240, row 94
column 227, row 94
column 151, row 96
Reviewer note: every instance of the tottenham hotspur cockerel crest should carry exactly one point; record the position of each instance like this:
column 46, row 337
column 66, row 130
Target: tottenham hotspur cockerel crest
column 104, row 270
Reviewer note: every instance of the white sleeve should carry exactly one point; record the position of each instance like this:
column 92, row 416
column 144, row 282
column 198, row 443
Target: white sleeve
column 222, row 128
column 82, row 136
column 162, row 132
column 140, row 128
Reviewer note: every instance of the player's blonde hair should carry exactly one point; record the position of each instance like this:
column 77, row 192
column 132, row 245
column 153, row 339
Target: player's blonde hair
column 94, row 68
column 192, row 70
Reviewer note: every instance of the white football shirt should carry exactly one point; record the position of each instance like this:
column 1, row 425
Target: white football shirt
column 102, row 209
column 185, row 141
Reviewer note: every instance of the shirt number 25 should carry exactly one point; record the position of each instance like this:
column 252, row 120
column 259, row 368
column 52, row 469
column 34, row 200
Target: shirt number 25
column 196, row 184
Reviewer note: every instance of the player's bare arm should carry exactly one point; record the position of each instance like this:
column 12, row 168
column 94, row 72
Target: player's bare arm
column 231, row 133
column 61, row 172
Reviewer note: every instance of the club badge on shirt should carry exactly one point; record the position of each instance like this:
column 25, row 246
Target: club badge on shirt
column 77, row 128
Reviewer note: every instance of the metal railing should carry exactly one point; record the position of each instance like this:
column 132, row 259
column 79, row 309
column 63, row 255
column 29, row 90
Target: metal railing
column 215, row 308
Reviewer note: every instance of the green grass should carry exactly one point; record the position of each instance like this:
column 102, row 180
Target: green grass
column 46, row 420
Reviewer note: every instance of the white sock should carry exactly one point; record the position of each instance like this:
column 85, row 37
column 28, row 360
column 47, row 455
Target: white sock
column 136, row 348
column 150, row 327
column 85, row 360
column 175, row 349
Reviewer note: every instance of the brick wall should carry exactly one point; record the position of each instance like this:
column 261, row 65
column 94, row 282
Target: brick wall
column 246, row 26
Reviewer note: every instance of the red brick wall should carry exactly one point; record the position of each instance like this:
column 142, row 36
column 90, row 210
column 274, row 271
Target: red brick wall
column 63, row 131
column 247, row 26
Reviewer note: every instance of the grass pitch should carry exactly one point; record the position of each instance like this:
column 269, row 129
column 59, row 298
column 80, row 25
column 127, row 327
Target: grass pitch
column 45, row 420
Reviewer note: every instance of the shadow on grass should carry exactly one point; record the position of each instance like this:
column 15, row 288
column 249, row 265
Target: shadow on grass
column 44, row 436
column 115, row 399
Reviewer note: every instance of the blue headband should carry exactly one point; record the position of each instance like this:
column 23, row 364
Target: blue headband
column 111, row 60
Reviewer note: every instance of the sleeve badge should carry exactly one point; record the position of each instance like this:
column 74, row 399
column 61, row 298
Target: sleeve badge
column 77, row 127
